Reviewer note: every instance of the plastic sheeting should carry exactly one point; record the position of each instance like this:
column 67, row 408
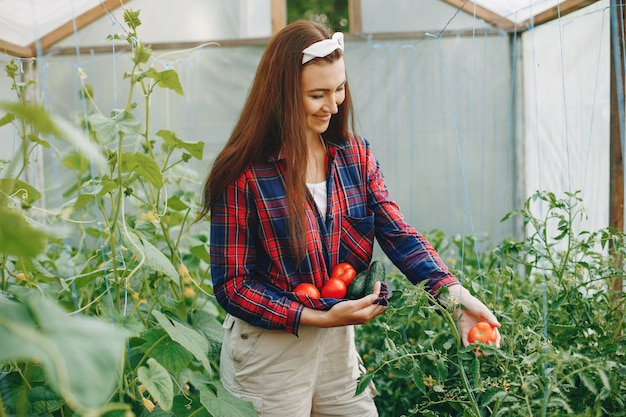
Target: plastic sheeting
column 23, row 22
column 566, row 108
column 465, row 127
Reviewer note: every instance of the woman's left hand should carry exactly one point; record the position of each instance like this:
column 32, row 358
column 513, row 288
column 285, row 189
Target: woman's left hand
column 472, row 311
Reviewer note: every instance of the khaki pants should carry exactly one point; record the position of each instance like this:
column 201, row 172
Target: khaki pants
column 311, row 375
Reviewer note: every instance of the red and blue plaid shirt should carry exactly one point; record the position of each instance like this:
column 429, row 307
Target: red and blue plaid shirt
column 253, row 263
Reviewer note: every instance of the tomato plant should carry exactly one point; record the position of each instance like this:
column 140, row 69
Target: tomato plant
column 334, row 288
column 562, row 345
column 344, row 271
column 306, row 288
column 482, row 332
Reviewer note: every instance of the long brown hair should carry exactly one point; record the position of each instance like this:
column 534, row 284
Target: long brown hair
column 273, row 120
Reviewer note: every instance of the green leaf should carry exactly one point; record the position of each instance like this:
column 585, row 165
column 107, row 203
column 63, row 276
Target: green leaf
column 126, row 122
column 168, row 302
column 103, row 127
column 15, row 394
column 106, row 128
column 34, row 114
column 201, row 252
column 144, row 166
column 131, row 18
column 17, row 236
column 442, row 369
column 494, row 396
column 85, row 279
column 196, row 149
column 130, row 323
column 6, row 119
column 588, row 382
column 187, row 337
column 157, row 412
column 222, row 403
column 468, row 411
column 169, row 353
column 605, row 379
column 152, row 257
column 94, row 194
column 39, row 141
column 175, row 203
column 83, row 200
column 50, row 124
column 44, row 400
column 166, row 79
column 81, row 355
column 399, row 372
column 24, row 191
column 211, row 328
column 76, row 161
column 158, row 383
column 186, row 406
column 563, row 330
column 418, row 378
column 364, row 381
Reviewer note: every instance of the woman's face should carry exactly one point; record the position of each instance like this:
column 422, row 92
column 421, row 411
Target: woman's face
column 323, row 86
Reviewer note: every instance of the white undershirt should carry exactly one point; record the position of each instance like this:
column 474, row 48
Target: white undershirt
column 318, row 191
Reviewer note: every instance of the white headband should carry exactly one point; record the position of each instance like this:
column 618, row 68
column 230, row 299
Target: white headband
column 323, row 48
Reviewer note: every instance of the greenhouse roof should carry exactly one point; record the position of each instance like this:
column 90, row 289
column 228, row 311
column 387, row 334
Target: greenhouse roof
column 28, row 27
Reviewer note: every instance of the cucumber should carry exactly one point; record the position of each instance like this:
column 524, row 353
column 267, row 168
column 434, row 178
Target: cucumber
column 363, row 283
column 356, row 289
column 377, row 273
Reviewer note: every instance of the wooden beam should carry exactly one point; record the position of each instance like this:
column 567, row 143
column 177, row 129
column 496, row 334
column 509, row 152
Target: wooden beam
column 67, row 28
column 47, row 41
column 15, row 50
column 618, row 93
column 487, row 15
column 189, row 45
column 355, row 16
column 566, row 7
column 279, row 15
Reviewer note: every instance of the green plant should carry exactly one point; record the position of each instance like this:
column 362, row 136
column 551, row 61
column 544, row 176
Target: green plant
column 562, row 327
column 106, row 306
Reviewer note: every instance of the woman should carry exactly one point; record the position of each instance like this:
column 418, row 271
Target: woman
column 293, row 193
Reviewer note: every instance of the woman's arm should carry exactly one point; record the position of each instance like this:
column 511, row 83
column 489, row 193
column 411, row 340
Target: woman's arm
column 233, row 264
column 348, row 312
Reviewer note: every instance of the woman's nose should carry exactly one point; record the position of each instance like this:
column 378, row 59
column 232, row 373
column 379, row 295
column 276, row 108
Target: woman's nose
column 332, row 105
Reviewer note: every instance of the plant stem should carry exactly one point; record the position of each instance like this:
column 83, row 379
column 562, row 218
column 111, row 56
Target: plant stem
column 146, row 354
column 3, row 412
column 526, row 399
column 466, row 385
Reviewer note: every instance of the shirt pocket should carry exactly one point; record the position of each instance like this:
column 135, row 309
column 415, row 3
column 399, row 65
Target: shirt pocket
column 357, row 241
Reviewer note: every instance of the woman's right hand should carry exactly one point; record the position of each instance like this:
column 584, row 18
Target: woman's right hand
column 345, row 313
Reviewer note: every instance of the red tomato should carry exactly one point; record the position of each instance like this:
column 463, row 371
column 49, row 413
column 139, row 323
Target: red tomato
column 306, row 288
column 344, row 271
column 483, row 332
column 334, row 288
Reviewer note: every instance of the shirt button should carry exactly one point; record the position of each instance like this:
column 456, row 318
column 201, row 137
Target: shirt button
column 244, row 336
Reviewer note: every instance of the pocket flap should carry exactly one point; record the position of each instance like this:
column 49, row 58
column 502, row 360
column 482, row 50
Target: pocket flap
column 229, row 322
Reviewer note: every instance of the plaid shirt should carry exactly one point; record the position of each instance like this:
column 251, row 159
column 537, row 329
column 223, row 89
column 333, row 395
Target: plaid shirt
column 253, row 264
